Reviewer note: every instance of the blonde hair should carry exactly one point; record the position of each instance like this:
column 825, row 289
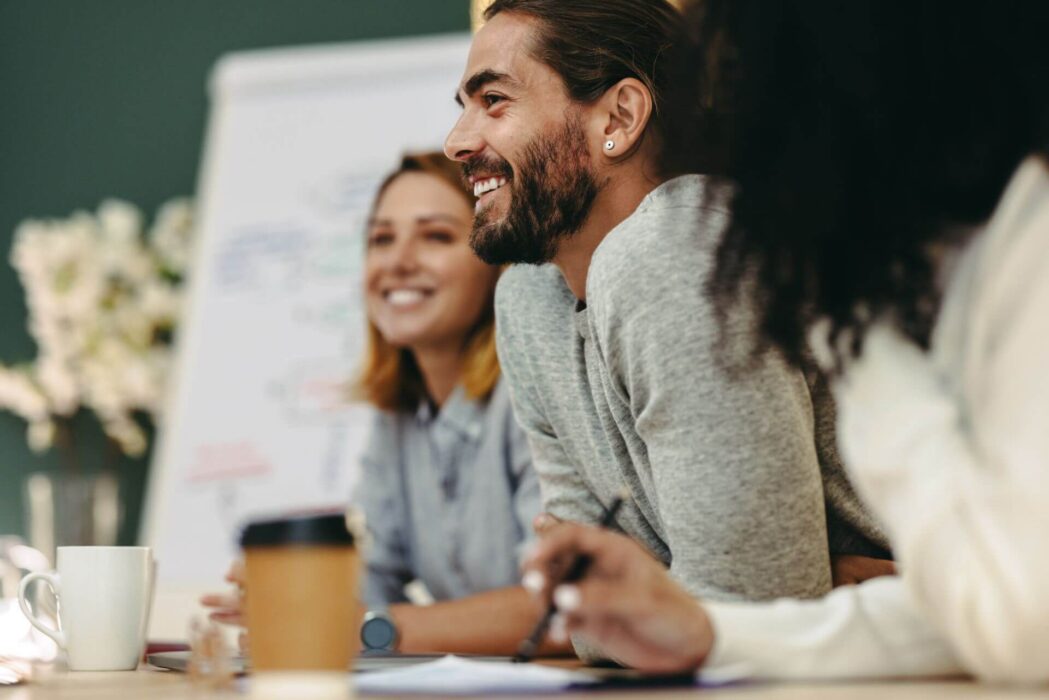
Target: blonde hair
column 390, row 378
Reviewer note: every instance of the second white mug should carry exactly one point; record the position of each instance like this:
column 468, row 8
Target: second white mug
column 104, row 596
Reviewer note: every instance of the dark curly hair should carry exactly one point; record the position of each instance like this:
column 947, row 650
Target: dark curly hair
column 861, row 134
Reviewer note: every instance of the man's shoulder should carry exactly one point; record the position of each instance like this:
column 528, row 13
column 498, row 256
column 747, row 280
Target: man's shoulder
column 525, row 277
column 531, row 291
column 669, row 242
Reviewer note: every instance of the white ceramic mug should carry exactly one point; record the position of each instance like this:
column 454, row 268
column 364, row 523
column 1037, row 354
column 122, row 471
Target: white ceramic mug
column 104, row 596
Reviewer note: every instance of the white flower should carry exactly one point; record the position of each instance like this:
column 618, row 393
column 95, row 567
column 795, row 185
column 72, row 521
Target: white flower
column 160, row 302
column 62, row 339
column 127, row 434
column 135, row 327
column 101, row 376
column 58, row 383
column 172, row 234
column 103, row 298
column 120, row 222
column 59, row 269
column 20, row 395
column 139, row 385
column 119, row 247
column 40, row 435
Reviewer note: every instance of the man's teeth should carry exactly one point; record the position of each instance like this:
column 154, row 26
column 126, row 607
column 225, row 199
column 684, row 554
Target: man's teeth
column 492, row 183
column 404, row 297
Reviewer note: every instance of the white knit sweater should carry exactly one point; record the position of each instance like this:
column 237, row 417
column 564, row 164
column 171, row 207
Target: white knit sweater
column 951, row 449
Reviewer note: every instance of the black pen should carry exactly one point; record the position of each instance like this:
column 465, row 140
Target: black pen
column 530, row 646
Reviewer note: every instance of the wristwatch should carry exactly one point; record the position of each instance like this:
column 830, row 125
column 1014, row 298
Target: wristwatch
column 378, row 633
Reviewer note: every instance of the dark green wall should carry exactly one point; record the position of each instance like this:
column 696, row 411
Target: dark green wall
column 106, row 98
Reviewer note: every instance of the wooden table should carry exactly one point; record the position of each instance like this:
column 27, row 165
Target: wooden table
column 168, row 685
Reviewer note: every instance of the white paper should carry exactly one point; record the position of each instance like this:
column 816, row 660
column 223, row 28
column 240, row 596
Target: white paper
column 454, row 675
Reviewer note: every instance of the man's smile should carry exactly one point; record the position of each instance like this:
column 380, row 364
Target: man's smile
column 483, row 185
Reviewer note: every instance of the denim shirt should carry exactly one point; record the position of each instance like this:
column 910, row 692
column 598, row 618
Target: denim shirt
column 449, row 499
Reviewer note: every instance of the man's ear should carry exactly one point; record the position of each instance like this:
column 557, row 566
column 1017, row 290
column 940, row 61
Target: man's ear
column 622, row 115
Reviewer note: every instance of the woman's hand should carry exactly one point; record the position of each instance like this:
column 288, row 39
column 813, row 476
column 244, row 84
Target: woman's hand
column 626, row 604
column 228, row 608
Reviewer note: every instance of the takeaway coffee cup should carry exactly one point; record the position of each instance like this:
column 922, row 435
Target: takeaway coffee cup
column 300, row 600
column 104, row 596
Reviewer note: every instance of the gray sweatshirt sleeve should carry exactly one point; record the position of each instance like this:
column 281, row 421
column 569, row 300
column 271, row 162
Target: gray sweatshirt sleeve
column 565, row 493
column 732, row 454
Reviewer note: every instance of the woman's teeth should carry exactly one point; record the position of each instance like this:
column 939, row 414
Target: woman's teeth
column 492, row 183
column 404, row 297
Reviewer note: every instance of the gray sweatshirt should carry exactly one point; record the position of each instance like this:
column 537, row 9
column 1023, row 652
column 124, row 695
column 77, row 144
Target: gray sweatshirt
column 629, row 390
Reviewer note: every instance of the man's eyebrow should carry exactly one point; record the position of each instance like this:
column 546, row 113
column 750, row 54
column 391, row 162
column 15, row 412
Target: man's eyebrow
column 481, row 78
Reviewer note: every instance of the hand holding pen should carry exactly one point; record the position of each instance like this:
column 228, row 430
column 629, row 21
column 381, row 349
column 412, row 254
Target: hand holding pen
column 576, row 570
column 624, row 602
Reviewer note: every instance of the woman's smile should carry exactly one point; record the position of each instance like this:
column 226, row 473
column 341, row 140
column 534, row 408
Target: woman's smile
column 407, row 297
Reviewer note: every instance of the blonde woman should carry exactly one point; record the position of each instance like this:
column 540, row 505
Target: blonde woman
column 447, row 483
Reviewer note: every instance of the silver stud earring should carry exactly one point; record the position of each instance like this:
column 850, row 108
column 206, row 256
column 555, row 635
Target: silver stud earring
column 610, row 144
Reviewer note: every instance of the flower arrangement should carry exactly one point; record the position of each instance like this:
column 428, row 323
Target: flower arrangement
column 103, row 297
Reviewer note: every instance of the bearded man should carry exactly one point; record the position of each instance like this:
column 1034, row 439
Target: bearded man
column 618, row 370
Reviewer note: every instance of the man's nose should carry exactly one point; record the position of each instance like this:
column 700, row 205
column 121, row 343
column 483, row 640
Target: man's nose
column 463, row 140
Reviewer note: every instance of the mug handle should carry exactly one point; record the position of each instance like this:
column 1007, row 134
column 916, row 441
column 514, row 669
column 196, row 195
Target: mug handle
column 53, row 581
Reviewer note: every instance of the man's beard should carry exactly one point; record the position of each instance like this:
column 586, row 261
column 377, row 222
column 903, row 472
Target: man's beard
column 550, row 198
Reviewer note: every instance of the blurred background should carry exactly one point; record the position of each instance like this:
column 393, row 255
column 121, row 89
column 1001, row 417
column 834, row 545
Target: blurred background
column 108, row 99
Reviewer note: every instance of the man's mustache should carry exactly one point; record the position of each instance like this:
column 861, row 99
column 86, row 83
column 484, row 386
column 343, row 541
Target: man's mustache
column 492, row 167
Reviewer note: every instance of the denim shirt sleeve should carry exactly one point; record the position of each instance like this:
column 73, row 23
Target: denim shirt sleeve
column 527, row 501
column 379, row 495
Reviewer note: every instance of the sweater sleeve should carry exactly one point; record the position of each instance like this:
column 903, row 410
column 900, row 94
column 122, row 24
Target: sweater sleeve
column 959, row 469
column 968, row 516
column 564, row 492
column 733, row 461
column 867, row 631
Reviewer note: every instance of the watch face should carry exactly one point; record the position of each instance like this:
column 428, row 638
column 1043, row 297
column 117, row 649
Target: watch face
column 378, row 633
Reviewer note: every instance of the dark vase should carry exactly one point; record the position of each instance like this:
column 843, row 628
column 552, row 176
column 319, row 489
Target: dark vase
column 72, row 509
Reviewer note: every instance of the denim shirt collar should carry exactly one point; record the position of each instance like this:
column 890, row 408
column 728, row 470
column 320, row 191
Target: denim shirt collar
column 460, row 413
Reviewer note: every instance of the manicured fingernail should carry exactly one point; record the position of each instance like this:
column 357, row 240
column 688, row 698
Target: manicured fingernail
column 533, row 581
column 543, row 523
column 567, row 597
column 558, row 629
